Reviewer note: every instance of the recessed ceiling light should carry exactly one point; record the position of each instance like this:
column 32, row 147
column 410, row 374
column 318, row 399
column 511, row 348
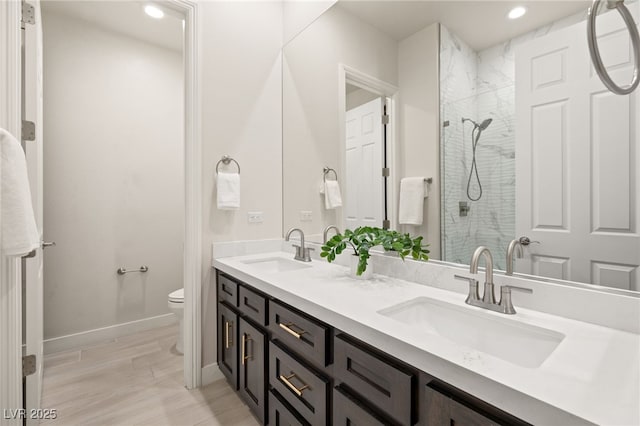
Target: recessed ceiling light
column 517, row 12
column 153, row 11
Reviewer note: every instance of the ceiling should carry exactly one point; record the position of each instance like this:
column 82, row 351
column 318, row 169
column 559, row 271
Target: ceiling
column 479, row 23
column 124, row 17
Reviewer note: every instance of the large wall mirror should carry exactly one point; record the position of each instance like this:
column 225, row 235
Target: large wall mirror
column 507, row 117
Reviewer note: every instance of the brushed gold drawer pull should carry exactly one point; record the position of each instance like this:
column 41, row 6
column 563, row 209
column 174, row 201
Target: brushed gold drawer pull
column 227, row 336
column 297, row 391
column 286, row 327
column 245, row 339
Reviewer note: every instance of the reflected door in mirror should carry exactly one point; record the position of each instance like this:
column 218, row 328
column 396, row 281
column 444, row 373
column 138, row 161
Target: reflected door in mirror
column 364, row 205
column 576, row 190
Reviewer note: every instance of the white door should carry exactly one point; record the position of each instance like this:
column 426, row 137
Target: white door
column 578, row 148
column 33, row 271
column 364, row 201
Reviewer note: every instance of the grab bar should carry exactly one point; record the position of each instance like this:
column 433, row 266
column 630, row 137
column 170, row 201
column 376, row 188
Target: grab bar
column 595, row 52
column 122, row 271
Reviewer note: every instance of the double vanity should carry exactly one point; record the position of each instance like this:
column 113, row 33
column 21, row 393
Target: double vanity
column 306, row 343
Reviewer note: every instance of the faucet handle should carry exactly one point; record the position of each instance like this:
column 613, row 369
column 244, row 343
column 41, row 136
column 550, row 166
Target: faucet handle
column 473, row 287
column 306, row 255
column 505, row 297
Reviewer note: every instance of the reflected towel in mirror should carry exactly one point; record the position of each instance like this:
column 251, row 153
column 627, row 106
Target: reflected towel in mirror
column 228, row 186
column 19, row 230
column 332, row 196
column 412, row 195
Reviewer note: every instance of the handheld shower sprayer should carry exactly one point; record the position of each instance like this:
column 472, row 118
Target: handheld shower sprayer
column 475, row 137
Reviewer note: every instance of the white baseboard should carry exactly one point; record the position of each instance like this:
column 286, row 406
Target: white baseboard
column 99, row 335
column 211, row 373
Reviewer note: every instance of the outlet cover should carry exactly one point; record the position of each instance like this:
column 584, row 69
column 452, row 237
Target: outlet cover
column 255, row 217
column 306, row 216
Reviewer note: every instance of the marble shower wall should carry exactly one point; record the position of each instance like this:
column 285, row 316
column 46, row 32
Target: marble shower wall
column 480, row 85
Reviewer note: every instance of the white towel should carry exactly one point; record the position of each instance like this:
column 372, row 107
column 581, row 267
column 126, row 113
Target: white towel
column 332, row 197
column 19, row 229
column 412, row 195
column 228, row 185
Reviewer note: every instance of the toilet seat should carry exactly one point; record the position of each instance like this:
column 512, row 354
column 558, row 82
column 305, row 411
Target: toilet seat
column 177, row 296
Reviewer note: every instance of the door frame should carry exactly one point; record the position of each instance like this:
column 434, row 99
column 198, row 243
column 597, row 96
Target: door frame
column 349, row 75
column 192, row 266
column 10, row 276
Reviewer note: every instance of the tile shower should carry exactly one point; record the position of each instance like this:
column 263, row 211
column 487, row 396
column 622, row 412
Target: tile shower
column 479, row 85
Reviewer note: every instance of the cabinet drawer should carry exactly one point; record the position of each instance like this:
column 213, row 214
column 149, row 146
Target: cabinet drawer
column 384, row 385
column 443, row 405
column 301, row 334
column 282, row 414
column 305, row 390
column 253, row 305
column 348, row 411
column 227, row 290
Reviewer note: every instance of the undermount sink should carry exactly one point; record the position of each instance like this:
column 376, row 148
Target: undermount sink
column 276, row 264
column 512, row 341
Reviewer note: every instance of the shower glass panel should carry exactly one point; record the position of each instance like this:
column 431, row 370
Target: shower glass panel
column 473, row 87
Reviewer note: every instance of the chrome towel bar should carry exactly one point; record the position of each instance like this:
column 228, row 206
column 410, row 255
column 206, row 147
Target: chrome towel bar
column 122, row 271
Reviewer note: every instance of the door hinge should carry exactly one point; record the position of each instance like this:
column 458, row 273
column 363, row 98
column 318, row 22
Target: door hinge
column 386, row 172
column 28, row 130
column 28, row 365
column 28, row 13
column 385, row 119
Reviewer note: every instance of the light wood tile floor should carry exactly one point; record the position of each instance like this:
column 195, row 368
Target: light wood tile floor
column 134, row 380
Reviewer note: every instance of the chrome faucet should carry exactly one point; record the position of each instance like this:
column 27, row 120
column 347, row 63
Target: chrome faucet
column 488, row 296
column 488, row 300
column 514, row 246
column 302, row 252
column 325, row 233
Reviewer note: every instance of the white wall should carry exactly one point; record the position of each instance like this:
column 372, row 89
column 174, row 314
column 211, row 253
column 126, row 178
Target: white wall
column 419, row 108
column 241, row 117
column 311, row 132
column 113, row 177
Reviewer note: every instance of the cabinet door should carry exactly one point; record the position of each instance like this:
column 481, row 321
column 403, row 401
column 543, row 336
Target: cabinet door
column 252, row 368
column 227, row 344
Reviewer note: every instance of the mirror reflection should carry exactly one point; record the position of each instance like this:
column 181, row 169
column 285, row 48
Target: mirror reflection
column 520, row 136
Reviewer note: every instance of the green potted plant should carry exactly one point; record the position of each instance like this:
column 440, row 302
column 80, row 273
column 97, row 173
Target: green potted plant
column 363, row 238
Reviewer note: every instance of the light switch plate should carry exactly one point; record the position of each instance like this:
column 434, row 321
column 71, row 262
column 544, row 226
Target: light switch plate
column 255, row 217
column 306, row 216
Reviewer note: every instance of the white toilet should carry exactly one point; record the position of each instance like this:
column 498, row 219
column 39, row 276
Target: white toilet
column 176, row 305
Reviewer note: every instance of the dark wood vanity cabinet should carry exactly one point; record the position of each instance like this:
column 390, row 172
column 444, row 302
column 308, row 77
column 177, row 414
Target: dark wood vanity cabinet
column 293, row 369
column 241, row 340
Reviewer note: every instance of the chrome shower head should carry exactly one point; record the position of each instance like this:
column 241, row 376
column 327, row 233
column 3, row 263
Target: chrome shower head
column 484, row 124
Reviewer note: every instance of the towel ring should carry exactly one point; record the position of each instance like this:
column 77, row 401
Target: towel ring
column 327, row 170
column 226, row 160
column 595, row 52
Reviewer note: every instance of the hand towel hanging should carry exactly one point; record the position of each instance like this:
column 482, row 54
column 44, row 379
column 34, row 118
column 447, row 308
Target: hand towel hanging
column 19, row 229
column 412, row 195
column 332, row 195
column 228, row 188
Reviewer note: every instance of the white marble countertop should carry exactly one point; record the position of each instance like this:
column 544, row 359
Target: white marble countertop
column 593, row 376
